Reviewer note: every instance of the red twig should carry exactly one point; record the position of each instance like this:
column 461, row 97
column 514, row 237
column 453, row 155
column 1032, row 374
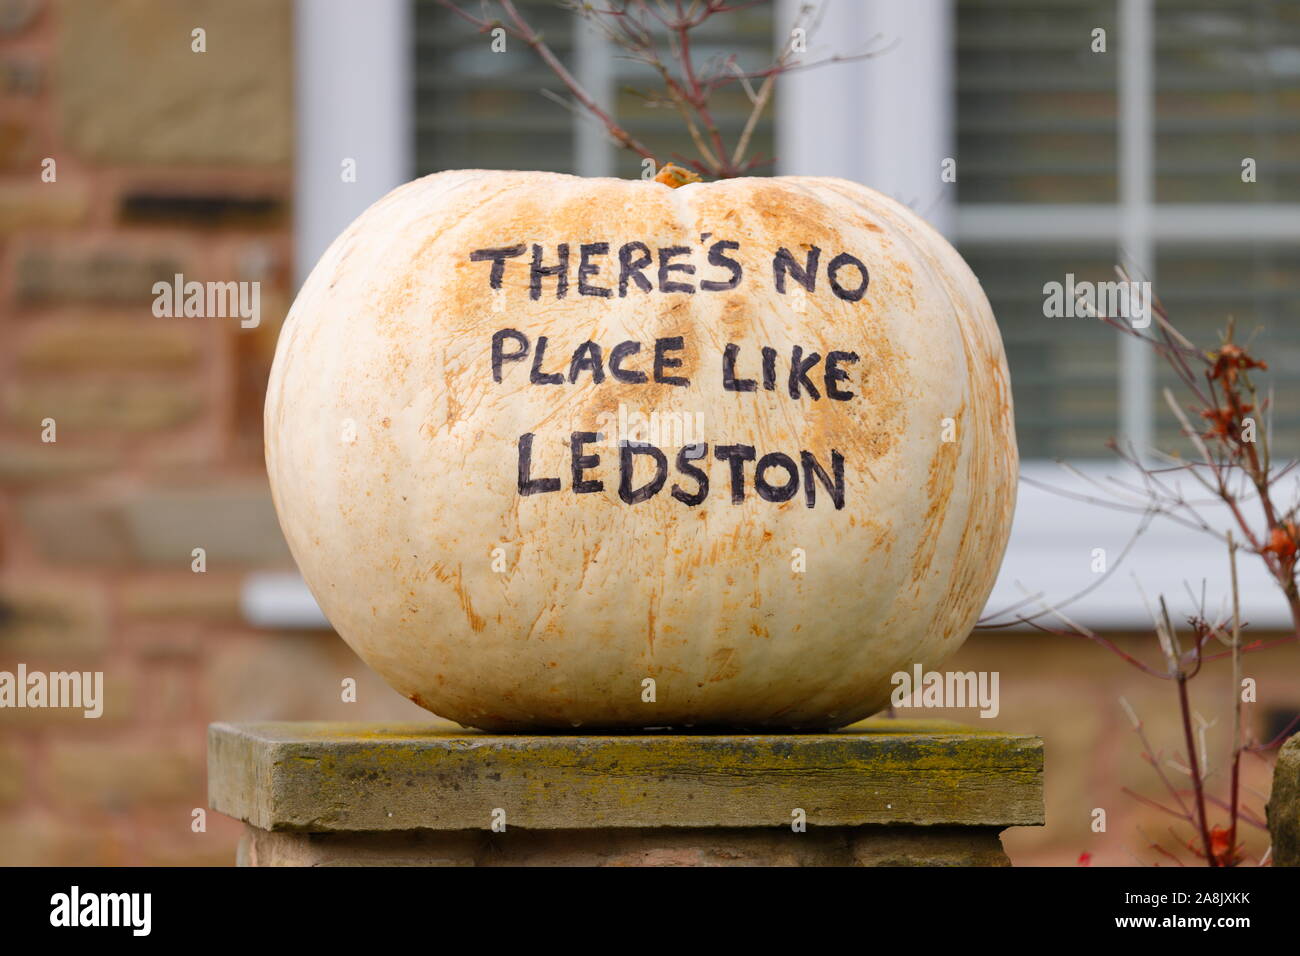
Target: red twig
column 1197, row 785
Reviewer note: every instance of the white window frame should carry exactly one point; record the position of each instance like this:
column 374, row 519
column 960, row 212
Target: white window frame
column 353, row 68
column 352, row 101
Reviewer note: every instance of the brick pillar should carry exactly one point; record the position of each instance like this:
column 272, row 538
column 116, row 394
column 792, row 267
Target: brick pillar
column 1284, row 805
column 881, row 792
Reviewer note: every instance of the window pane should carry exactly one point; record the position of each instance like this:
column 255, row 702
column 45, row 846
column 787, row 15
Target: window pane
column 1036, row 108
column 742, row 37
column 1257, row 285
column 1228, row 87
column 476, row 109
column 1063, row 370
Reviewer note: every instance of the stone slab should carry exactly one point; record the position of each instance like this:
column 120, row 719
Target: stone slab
column 338, row 777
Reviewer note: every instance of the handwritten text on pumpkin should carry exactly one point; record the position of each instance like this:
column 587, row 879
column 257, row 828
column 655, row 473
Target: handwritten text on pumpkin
column 633, row 268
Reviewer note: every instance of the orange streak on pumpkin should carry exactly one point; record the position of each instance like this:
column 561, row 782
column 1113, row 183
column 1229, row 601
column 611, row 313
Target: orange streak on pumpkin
column 939, row 488
column 476, row 622
column 725, row 664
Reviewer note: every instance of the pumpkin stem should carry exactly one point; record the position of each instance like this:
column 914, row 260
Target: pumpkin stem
column 673, row 176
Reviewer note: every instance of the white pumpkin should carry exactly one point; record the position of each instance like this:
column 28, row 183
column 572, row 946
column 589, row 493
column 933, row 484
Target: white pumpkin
column 500, row 572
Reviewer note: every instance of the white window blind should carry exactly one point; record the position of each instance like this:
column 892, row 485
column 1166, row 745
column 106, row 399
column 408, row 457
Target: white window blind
column 1037, row 111
column 1049, row 186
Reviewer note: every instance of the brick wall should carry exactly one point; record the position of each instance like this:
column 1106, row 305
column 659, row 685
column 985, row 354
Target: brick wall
column 1067, row 691
column 173, row 161
column 166, row 161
